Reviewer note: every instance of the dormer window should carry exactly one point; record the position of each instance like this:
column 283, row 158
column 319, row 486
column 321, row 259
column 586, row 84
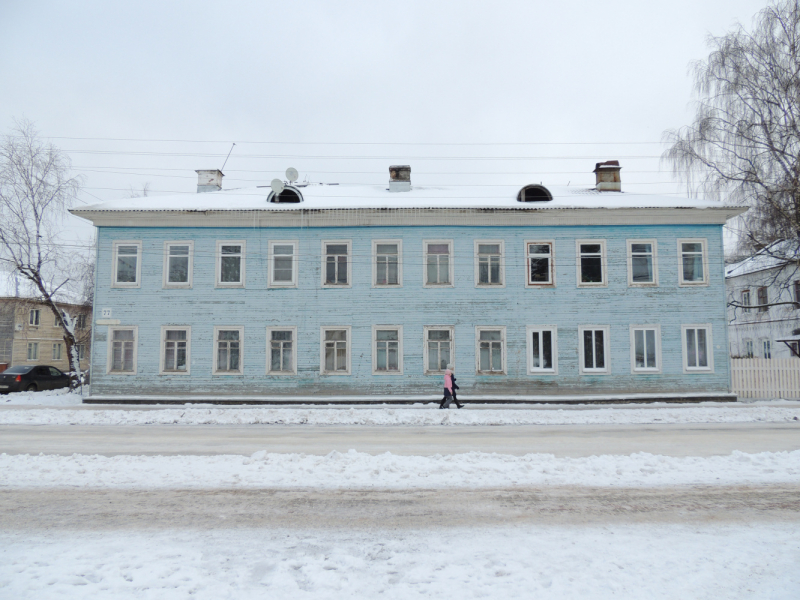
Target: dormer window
column 534, row 193
column 289, row 194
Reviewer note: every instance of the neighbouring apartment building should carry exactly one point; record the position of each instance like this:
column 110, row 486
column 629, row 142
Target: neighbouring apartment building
column 316, row 290
column 29, row 334
column 764, row 304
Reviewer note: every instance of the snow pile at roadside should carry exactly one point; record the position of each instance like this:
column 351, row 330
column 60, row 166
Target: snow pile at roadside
column 60, row 397
column 403, row 416
column 360, row 470
column 753, row 561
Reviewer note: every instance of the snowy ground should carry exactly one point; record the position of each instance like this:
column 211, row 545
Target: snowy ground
column 360, row 470
column 751, row 561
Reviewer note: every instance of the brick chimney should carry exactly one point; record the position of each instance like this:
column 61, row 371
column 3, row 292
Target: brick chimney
column 400, row 178
column 209, row 180
column 607, row 174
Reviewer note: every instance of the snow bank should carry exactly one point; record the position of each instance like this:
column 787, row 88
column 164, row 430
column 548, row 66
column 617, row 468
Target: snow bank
column 660, row 562
column 403, row 416
column 60, row 397
column 360, row 470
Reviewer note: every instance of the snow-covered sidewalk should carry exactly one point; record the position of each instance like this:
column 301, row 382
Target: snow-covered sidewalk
column 411, row 416
column 360, row 470
column 751, row 561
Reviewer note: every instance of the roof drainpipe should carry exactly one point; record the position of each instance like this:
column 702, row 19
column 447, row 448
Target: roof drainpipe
column 607, row 174
column 209, row 180
column 400, row 178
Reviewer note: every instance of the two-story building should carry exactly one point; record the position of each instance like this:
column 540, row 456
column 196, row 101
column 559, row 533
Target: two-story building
column 319, row 291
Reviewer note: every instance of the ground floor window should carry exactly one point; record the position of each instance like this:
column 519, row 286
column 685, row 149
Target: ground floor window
column 749, row 349
column 81, row 350
column 228, row 350
column 490, row 350
column 542, row 349
column 33, row 350
column 175, row 349
column 122, row 350
column 645, row 348
column 438, row 348
column 281, row 350
column 335, row 351
column 57, row 351
column 766, row 348
column 593, row 349
column 697, row 348
column 387, row 349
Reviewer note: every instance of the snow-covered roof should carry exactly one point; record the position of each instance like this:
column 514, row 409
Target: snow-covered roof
column 333, row 196
column 773, row 256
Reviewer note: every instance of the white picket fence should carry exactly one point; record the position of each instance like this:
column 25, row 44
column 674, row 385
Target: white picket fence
column 766, row 378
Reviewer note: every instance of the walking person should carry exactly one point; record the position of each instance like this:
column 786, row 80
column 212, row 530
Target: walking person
column 450, row 388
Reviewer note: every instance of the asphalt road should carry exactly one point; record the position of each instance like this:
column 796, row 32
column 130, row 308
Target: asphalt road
column 560, row 440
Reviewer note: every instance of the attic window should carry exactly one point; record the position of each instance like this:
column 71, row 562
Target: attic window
column 287, row 195
column 534, row 193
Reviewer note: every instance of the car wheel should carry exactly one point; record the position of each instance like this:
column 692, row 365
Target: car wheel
column 31, row 388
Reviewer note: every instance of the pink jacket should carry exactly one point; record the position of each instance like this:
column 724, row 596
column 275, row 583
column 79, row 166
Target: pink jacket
column 448, row 380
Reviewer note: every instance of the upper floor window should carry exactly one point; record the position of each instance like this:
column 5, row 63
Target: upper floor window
column 283, row 263
column 127, row 266
column 693, row 266
column 335, row 267
column 540, row 267
column 642, row 263
column 438, row 262
column 122, row 350
column 489, row 263
column 178, row 264
column 746, row 300
column 591, row 263
column 34, row 316
column 763, row 299
column 230, row 263
column 387, row 263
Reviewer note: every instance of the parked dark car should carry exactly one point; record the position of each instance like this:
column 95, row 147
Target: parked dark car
column 31, row 379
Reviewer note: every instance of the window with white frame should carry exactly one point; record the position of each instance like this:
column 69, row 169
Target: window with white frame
column 81, row 350
column 335, row 359
column 642, row 269
column 228, row 350
column 230, row 263
column 746, row 300
column 175, row 349
column 127, row 265
column 283, row 262
column 540, row 266
column 645, row 348
column 762, row 299
column 387, row 349
column 796, row 294
column 697, row 348
column 439, row 349
column 178, row 264
column 766, row 348
column 591, row 262
column 489, row 263
column 594, row 347
column 387, row 263
column 749, row 348
column 57, row 347
column 693, row 257
column 281, row 350
column 122, row 350
column 542, row 349
column 336, row 263
column 490, row 350
column 438, row 262
column 34, row 316
column 794, row 348
column 33, row 350
column 56, row 321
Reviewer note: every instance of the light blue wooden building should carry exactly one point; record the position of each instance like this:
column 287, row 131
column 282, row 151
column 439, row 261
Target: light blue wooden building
column 332, row 292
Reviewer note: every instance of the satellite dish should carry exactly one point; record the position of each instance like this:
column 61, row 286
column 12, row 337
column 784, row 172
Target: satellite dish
column 277, row 186
column 292, row 174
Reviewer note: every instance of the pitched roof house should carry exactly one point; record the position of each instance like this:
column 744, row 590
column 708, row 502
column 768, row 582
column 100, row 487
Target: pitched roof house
column 368, row 292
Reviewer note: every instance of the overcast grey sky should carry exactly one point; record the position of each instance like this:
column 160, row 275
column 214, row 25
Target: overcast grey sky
column 578, row 81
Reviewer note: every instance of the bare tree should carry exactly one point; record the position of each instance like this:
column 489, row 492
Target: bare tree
column 36, row 189
column 744, row 144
